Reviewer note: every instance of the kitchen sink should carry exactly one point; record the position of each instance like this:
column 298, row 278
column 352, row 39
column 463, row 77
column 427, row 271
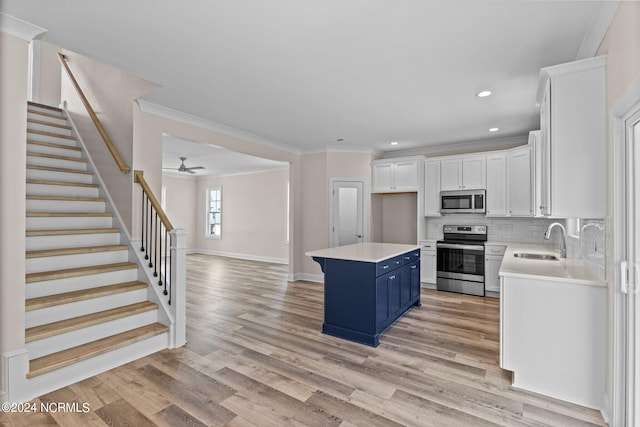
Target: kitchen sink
column 544, row 257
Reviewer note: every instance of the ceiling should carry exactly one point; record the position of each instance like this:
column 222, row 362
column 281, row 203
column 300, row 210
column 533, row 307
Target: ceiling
column 215, row 160
column 302, row 74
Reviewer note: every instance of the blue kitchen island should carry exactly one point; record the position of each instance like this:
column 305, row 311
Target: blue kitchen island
column 367, row 286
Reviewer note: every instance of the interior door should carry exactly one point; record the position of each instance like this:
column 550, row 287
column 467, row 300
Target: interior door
column 347, row 225
column 632, row 287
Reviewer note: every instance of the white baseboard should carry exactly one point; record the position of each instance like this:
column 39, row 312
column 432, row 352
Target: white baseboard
column 240, row 256
column 307, row 277
column 606, row 409
column 428, row 285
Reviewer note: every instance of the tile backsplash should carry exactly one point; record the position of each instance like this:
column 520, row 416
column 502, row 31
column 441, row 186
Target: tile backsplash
column 590, row 247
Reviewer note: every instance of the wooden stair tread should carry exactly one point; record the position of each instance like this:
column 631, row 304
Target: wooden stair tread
column 53, row 145
column 67, row 214
column 52, row 169
column 71, row 231
column 81, row 295
column 73, row 355
column 73, row 251
column 65, row 198
column 78, row 271
column 57, row 157
column 43, row 113
column 73, row 324
column 61, row 183
column 46, row 123
column 48, row 107
column 53, row 134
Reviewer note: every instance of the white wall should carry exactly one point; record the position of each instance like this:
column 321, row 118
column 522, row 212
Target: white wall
column 254, row 216
column 13, row 124
column 181, row 204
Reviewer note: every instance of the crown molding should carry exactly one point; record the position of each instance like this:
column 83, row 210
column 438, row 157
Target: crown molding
column 342, row 149
column 18, row 28
column 477, row 145
column 598, row 29
column 170, row 113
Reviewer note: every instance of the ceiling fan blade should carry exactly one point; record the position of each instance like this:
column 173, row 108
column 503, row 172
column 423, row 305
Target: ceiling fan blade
column 195, row 167
column 190, row 171
column 171, row 169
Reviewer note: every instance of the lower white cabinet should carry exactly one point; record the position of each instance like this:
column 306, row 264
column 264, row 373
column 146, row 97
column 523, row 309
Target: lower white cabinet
column 553, row 338
column 428, row 261
column 493, row 255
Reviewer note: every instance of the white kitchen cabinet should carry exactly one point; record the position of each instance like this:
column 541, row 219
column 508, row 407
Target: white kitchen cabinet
column 493, row 255
column 510, row 183
column 520, row 183
column 463, row 173
column 428, row 261
column 399, row 175
column 553, row 337
column 496, row 184
column 432, row 188
column 572, row 100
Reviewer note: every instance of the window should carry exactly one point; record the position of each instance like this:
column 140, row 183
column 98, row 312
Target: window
column 214, row 213
column 573, row 227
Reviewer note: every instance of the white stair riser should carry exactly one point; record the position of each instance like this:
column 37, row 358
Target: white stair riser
column 56, row 163
column 64, row 206
column 60, row 121
column 34, row 265
column 56, row 151
column 60, row 176
column 44, row 110
column 50, row 138
column 34, row 243
column 80, row 308
column 59, row 378
column 70, row 284
column 50, row 223
column 61, row 342
column 48, row 128
column 61, row 190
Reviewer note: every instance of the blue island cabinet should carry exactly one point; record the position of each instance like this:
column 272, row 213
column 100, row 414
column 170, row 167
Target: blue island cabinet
column 361, row 299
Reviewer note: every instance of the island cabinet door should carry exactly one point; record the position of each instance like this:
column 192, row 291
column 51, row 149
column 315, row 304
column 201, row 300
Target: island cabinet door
column 388, row 297
column 414, row 274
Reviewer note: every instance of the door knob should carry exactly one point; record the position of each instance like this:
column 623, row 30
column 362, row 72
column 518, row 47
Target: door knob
column 359, row 236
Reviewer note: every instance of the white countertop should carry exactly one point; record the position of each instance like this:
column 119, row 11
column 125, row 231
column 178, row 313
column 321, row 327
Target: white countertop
column 567, row 270
column 365, row 252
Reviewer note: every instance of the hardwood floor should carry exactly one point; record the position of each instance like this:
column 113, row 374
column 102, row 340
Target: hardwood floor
column 255, row 356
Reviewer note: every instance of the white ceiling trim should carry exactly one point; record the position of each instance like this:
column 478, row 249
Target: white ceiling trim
column 170, row 113
column 19, row 28
column 479, row 145
column 598, row 29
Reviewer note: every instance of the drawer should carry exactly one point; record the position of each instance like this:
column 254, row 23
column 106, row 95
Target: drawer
column 410, row 257
column 388, row 265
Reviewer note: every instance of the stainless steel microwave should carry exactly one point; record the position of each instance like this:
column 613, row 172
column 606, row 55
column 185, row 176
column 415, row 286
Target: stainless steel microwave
column 463, row 201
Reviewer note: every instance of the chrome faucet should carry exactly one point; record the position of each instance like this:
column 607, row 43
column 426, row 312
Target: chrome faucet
column 563, row 246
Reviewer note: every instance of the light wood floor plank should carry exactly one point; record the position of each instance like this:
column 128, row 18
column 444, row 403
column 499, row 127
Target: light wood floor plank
column 255, row 356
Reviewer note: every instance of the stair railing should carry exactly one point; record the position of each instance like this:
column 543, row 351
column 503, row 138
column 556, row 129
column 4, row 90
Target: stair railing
column 164, row 249
column 103, row 133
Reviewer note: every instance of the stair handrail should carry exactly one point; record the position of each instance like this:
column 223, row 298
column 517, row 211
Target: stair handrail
column 96, row 121
column 139, row 178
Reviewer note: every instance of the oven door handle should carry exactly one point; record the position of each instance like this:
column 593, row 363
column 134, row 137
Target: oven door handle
column 456, row 246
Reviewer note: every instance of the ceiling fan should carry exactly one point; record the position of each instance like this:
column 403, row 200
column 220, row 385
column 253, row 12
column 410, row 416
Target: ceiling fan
column 183, row 168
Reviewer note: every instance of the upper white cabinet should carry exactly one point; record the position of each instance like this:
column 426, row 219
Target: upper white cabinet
column 399, row 175
column 520, row 183
column 510, row 183
column 572, row 100
column 432, row 188
column 463, row 173
column 496, row 184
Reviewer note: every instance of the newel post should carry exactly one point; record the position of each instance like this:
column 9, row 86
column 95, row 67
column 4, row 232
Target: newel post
column 179, row 286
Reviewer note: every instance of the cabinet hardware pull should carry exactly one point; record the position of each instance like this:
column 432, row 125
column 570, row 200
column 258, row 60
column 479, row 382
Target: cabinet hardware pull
column 414, row 266
column 385, row 266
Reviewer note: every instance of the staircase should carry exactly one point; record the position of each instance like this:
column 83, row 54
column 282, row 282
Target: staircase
column 86, row 309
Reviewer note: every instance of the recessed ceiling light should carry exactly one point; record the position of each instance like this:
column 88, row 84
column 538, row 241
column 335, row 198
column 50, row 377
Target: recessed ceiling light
column 483, row 94
column 494, row 129
column 394, row 143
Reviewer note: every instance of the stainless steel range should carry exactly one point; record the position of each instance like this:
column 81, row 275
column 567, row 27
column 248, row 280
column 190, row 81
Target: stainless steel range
column 460, row 259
